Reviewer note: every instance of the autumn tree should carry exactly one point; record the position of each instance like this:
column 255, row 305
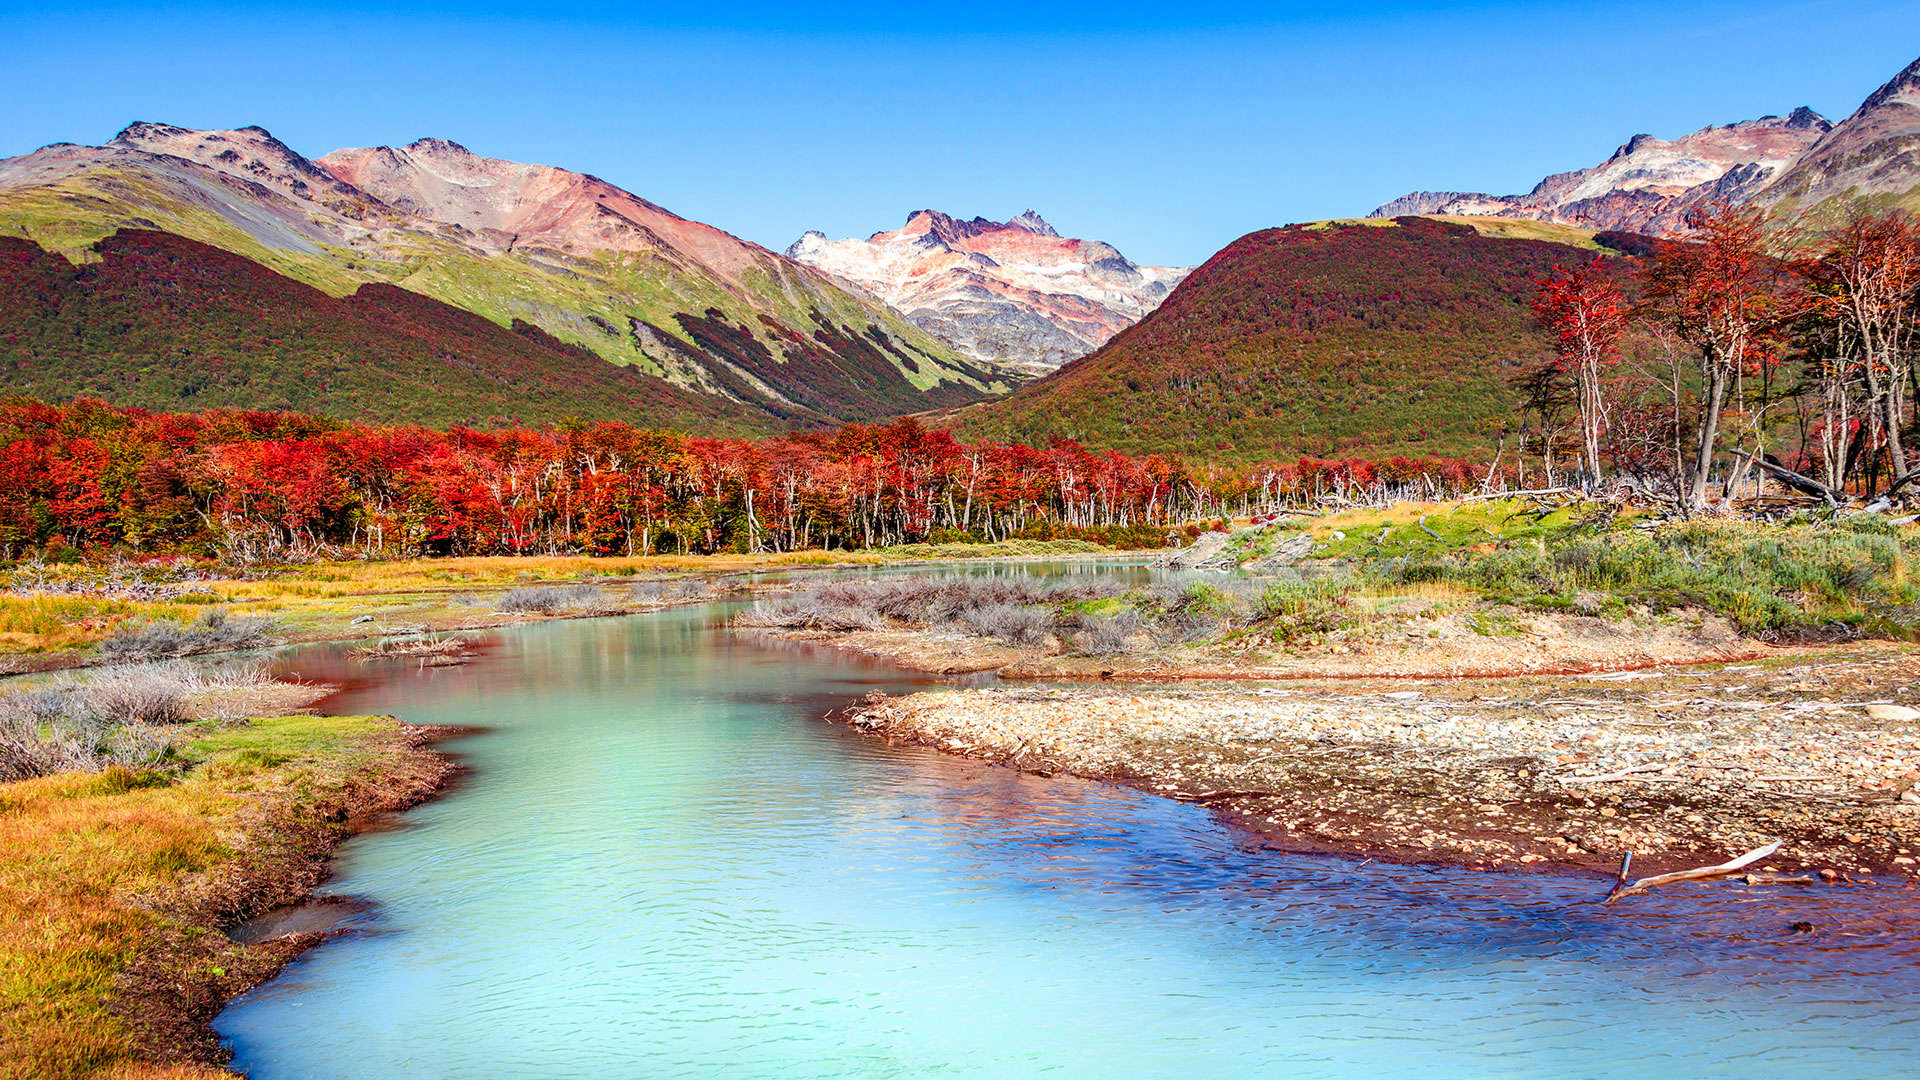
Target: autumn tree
column 1866, row 282
column 1720, row 293
column 1584, row 310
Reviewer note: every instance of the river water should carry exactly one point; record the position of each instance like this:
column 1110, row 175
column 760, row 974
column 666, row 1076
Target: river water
column 667, row 864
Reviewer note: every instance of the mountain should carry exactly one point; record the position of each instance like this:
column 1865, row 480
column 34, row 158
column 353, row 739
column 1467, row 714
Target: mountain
column 1335, row 339
column 158, row 321
column 590, row 264
column 1870, row 158
column 1003, row 292
column 1648, row 185
column 1799, row 164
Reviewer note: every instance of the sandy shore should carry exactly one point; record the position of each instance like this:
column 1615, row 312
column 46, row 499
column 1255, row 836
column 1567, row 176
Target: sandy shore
column 1682, row 766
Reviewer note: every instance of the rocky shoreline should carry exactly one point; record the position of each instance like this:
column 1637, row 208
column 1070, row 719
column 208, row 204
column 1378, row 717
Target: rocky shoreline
column 1683, row 767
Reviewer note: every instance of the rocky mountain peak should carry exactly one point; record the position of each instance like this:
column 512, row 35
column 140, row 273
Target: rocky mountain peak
column 433, row 146
column 1013, row 292
column 1902, row 89
column 1803, row 119
column 141, row 132
column 1032, row 222
column 1649, row 183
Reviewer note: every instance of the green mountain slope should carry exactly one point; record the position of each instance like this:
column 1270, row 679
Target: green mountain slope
column 163, row 322
column 1334, row 339
column 585, row 261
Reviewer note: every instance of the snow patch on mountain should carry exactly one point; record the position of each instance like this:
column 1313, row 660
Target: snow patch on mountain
column 1013, row 292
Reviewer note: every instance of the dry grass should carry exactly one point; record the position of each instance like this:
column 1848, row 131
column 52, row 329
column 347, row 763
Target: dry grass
column 415, row 648
column 82, row 855
column 38, row 621
column 320, row 599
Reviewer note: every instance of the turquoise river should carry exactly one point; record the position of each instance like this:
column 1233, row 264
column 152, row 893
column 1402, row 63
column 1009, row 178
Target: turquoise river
column 667, row 862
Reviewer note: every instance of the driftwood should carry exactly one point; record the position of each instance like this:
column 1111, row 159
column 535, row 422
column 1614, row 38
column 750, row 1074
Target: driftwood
column 1622, row 888
column 1628, row 773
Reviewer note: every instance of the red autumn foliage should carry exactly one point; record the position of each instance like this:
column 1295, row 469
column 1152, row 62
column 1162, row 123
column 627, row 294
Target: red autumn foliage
column 271, row 484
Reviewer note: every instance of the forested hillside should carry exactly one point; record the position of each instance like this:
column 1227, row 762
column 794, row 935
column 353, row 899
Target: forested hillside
column 164, row 322
column 1331, row 340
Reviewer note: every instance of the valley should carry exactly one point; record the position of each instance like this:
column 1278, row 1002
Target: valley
column 461, row 618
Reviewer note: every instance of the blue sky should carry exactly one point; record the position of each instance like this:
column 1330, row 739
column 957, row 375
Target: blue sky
column 1168, row 129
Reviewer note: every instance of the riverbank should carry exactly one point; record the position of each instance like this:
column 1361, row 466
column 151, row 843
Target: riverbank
column 118, row 888
column 1424, row 682
column 1682, row 767
column 61, row 616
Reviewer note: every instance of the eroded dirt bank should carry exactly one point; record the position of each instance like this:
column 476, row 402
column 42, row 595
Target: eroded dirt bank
column 1682, row 766
column 281, row 848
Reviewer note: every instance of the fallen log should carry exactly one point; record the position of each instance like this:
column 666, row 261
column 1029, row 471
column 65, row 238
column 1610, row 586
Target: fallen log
column 1532, row 493
column 1792, row 479
column 1885, row 500
column 1703, row 873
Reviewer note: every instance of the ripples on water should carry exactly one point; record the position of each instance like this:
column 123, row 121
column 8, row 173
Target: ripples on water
column 665, row 865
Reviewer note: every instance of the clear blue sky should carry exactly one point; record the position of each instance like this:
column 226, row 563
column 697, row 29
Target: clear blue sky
column 1167, row 128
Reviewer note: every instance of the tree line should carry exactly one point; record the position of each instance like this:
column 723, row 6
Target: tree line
column 93, row 477
column 1748, row 347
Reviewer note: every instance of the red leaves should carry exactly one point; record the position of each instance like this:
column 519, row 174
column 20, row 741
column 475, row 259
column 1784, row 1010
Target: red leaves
column 265, row 484
column 1584, row 310
column 1723, row 291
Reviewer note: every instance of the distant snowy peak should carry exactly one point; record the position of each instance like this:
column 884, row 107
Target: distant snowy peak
column 1649, row 183
column 1799, row 164
column 1012, row 291
column 953, row 230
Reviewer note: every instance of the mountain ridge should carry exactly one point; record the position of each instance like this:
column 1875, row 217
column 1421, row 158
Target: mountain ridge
column 1648, row 184
column 158, row 321
column 1801, row 165
column 588, row 262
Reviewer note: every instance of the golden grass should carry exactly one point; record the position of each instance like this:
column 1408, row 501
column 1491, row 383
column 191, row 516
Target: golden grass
column 1499, row 228
column 79, row 853
column 39, row 621
column 316, row 599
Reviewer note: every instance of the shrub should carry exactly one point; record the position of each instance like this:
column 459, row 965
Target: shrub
column 1293, row 610
column 806, row 613
column 214, row 631
column 555, row 600
column 674, row 591
column 111, row 720
column 142, row 694
column 1106, row 636
column 1016, row 626
column 1764, row 578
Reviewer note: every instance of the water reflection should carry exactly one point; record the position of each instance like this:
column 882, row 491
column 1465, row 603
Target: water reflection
column 667, row 865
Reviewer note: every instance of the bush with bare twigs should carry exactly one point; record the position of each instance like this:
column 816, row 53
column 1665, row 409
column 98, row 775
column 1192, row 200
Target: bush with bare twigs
column 556, row 600
column 214, row 631
column 117, row 716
